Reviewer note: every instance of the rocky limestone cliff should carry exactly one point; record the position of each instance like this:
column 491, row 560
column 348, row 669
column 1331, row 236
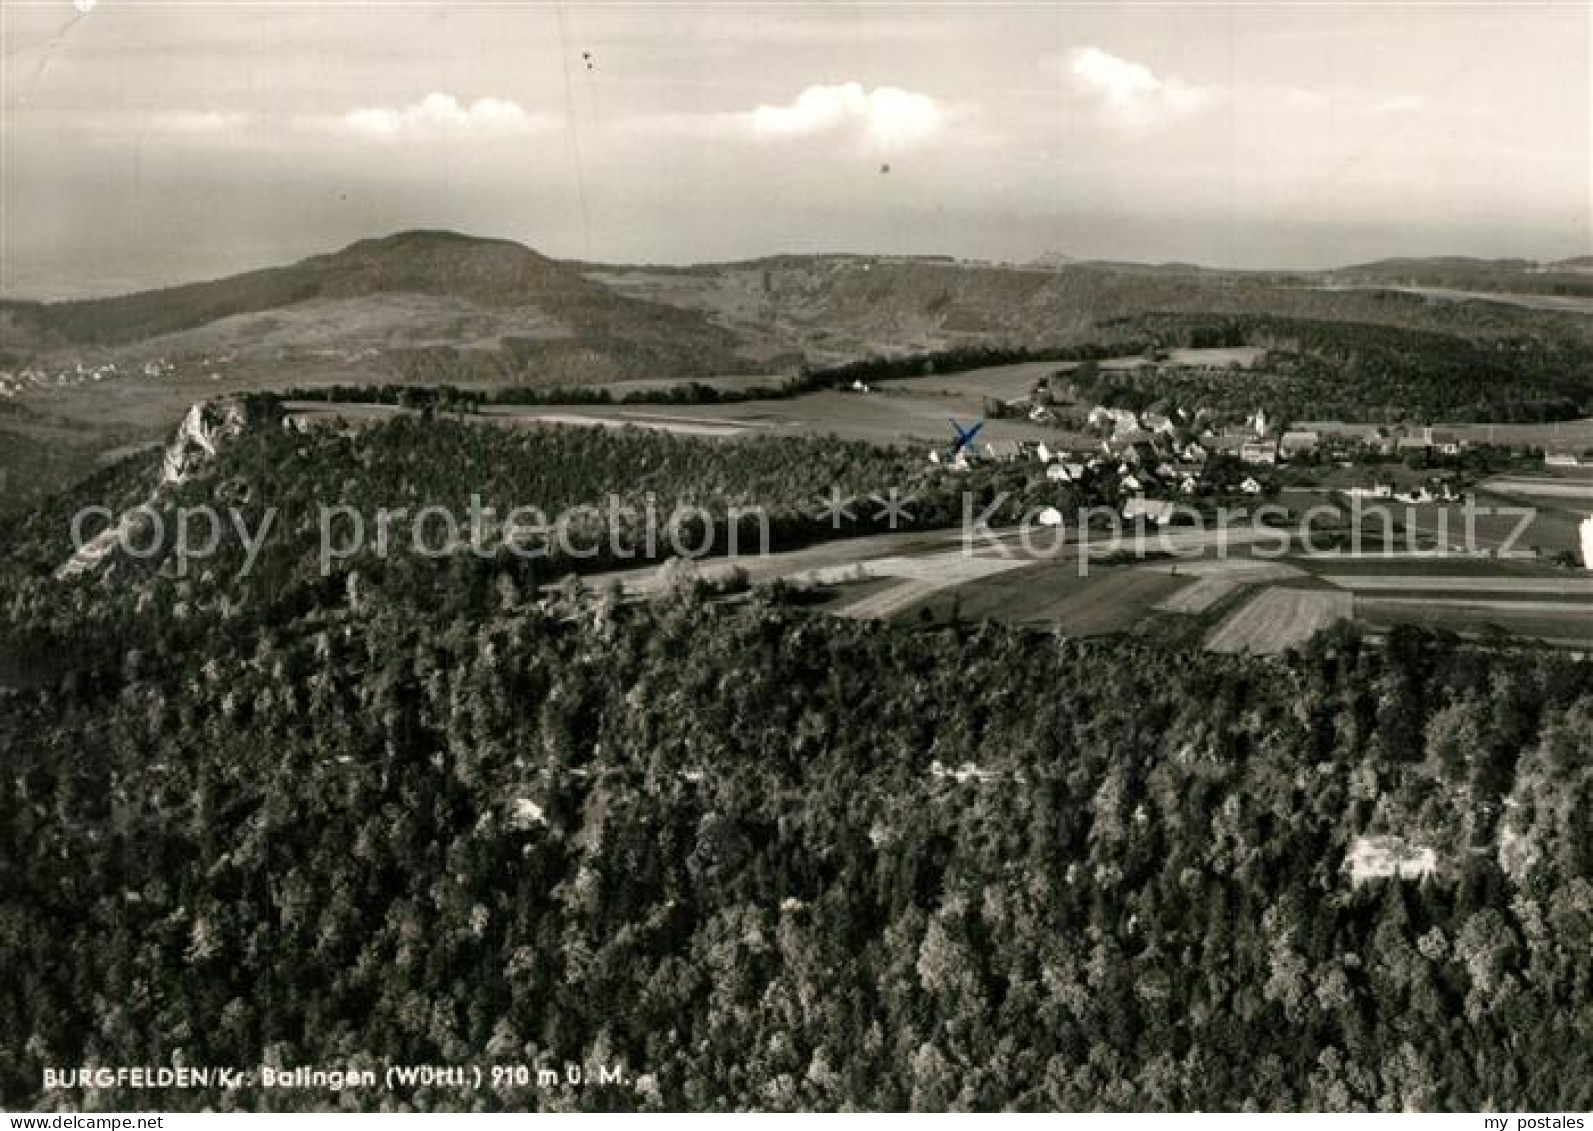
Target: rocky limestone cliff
column 204, row 429
column 208, row 425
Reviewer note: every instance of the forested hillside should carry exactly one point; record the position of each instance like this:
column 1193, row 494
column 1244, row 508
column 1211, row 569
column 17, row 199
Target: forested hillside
column 1328, row 370
column 739, row 857
column 624, row 497
column 839, row 308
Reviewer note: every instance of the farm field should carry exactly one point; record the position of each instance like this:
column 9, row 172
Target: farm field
column 1575, row 435
column 1217, row 579
column 1465, row 594
column 1217, row 356
column 1277, row 619
column 1479, row 584
column 1237, row 569
column 734, row 383
column 1008, row 382
column 1108, row 600
column 1549, row 531
column 916, row 578
column 885, row 603
column 620, row 418
column 1425, row 564
column 1565, row 494
column 1557, row 623
column 1244, row 356
column 1572, row 490
column 1488, row 604
column 949, row 567
column 1201, row 594
column 839, row 596
column 892, row 416
column 511, row 415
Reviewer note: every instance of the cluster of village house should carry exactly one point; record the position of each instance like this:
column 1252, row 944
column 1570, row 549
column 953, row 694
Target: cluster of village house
column 1142, row 455
column 14, row 382
column 1259, row 443
column 1152, row 454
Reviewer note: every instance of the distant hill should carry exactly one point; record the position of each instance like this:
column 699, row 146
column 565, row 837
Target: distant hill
column 442, row 306
column 838, row 308
column 1566, row 277
column 1051, row 260
column 1450, row 265
column 459, row 305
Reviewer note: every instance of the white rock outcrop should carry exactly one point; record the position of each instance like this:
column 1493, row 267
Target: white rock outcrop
column 206, row 426
column 1388, row 857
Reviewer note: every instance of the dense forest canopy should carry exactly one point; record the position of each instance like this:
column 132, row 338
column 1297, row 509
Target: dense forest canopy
column 742, row 856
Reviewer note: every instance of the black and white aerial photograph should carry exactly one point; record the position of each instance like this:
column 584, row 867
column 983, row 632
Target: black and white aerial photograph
column 724, row 556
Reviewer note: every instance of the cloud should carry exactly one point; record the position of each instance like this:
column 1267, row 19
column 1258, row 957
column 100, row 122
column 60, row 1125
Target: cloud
column 886, row 115
column 439, row 115
column 1131, row 93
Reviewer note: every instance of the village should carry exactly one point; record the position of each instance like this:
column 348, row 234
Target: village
column 15, row 383
column 1157, row 463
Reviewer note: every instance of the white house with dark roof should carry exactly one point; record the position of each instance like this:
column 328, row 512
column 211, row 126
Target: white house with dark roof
column 1118, row 419
column 1259, row 452
column 1003, row 451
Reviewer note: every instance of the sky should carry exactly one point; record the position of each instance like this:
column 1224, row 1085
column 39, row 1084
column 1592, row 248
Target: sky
column 148, row 143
